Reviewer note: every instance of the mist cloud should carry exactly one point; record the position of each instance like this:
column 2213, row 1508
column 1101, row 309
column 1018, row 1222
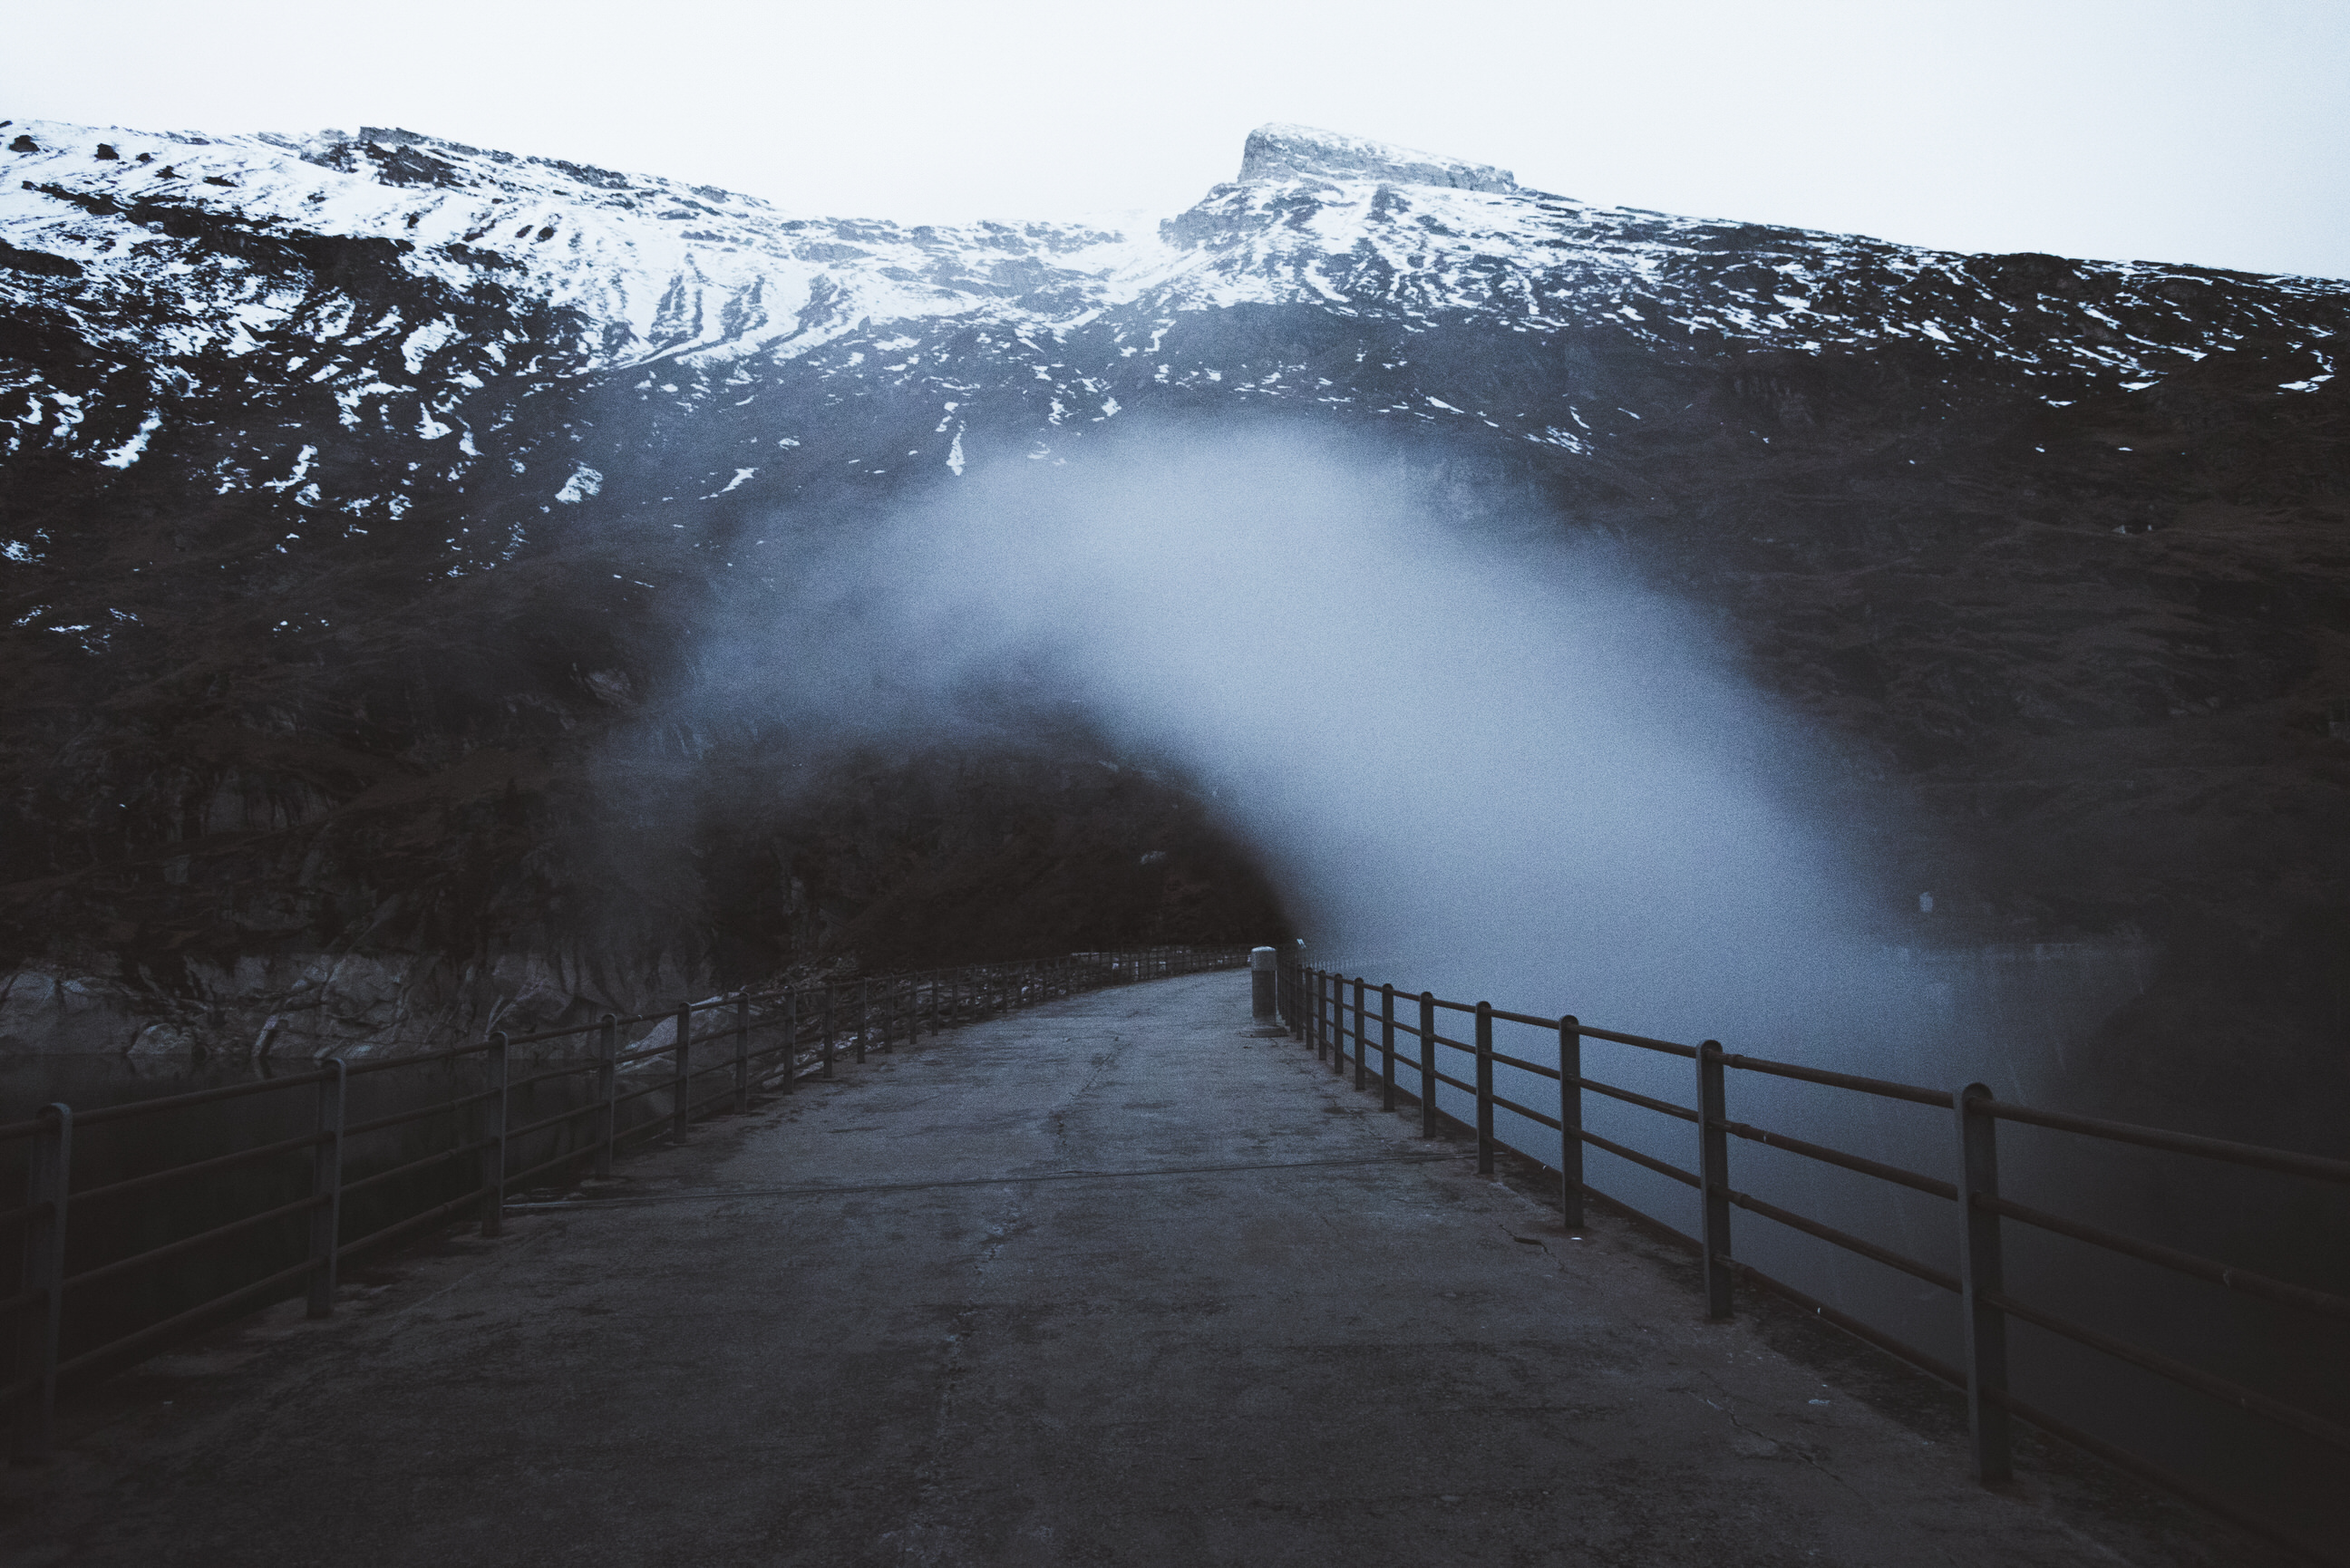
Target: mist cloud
column 1497, row 763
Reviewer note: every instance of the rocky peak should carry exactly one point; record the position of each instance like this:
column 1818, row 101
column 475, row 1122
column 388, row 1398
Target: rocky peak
column 1302, row 153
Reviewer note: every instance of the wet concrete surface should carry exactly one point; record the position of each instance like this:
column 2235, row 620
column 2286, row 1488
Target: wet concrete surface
column 1108, row 1281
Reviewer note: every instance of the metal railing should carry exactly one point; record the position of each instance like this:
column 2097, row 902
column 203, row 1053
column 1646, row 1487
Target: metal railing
column 1317, row 1007
column 807, row 1030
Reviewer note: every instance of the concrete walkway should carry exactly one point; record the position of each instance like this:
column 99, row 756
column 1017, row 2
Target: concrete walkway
column 882, row 1323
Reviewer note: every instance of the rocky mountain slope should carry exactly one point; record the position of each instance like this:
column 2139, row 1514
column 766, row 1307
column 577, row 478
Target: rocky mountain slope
column 357, row 491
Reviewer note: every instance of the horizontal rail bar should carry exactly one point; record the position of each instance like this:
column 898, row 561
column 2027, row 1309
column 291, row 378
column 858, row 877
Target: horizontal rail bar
column 23, row 1211
column 569, row 1070
column 1526, row 1018
column 437, row 1109
column 1671, row 1234
column 200, row 1168
column 2158, row 1476
column 569, row 1157
column 1526, row 1111
column 2178, row 1372
column 1682, row 1112
column 650, row 1124
column 164, row 1332
column 725, row 1093
column 2120, row 1459
column 1850, row 1243
column 1636, row 1157
column 413, row 1223
column 545, row 1035
column 189, row 1243
column 1886, row 1087
column 436, row 1158
column 1536, row 1069
column 423, row 1059
column 1825, row 1156
column 1932, row 1364
column 22, row 1300
column 193, row 1098
column 662, row 1087
column 1667, row 1047
column 2277, row 1159
column 545, row 1122
column 2235, row 1279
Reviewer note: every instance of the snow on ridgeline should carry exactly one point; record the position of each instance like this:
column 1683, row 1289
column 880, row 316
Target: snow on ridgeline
column 671, row 270
column 679, row 270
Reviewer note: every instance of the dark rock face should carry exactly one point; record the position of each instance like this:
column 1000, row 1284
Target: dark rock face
column 357, row 547
column 1302, row 153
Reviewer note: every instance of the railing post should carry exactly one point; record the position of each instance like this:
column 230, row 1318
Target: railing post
column 1362, row 1037
column 1428, row 1063
column 679, row 1119
column 1386, row 1047
column 864, row 999
column 326, row 1183
column 791, row 1040
column 43, row 1271
column 1337, row 1024
column 494, row 1152
column 827, row 1049
column 1321, row 1015
column 1570, row 1121
column 607, row 1089
column 742, row 1053
column 1484, row 1088
column 1980, row 1275
column 1714, row 1175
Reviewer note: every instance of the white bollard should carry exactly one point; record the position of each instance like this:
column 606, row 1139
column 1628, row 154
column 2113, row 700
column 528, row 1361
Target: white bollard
column 1265, row 1011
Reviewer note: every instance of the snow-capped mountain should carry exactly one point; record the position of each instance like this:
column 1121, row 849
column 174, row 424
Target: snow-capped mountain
column 353, row 490
column 430, row 287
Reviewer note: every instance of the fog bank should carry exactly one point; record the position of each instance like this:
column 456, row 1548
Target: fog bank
column 1496, row 766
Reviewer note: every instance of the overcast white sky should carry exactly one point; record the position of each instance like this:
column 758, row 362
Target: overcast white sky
column 2200, row 130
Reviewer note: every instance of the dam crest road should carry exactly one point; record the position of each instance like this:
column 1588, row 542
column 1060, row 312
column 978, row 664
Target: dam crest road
column 1107, row 1280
